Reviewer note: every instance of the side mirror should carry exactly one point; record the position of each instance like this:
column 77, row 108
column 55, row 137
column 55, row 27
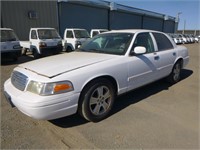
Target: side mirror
column 138, row 50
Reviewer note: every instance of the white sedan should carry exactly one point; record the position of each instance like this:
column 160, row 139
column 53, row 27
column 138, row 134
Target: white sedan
column 88, row 79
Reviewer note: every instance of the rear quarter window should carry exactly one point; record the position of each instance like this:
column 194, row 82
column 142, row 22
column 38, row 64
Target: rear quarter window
column 162, row 41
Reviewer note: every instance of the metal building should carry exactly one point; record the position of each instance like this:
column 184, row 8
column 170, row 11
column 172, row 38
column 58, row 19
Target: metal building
column 91, row 14
column 88, row 14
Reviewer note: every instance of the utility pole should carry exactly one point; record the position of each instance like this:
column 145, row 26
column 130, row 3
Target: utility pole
column 177, row 21
column 184, row 27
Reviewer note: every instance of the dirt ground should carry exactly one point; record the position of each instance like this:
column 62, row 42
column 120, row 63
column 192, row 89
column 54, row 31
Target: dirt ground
column 157, row 116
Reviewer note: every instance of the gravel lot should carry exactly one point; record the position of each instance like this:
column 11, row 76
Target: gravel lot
column 156, row 116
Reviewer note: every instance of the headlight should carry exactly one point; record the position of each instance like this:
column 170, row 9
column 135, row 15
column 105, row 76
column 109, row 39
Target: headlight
column 42, row 44
column 45, row 89
column 78, row 42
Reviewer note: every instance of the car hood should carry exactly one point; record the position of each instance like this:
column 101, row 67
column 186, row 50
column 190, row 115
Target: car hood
column 59, row 64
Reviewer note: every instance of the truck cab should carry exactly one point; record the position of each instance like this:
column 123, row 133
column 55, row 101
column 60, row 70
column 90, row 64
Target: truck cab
column 74, row 37
column 10, row 45
column 94, row 32
column 43, row 41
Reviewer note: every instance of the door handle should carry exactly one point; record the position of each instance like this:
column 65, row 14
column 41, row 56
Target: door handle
column 156, row 57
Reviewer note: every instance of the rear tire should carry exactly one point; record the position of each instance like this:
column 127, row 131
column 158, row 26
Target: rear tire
column 175, row 75
column 97, row 100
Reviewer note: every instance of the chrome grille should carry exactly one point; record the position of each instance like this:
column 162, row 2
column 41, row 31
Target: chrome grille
column 19, row 80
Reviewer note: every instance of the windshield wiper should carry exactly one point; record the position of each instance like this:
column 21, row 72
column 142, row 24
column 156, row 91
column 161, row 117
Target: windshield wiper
column 90, row 50
column 96, row 51
column 81, row 50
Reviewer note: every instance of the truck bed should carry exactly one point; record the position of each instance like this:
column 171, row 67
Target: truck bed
column 25, row 44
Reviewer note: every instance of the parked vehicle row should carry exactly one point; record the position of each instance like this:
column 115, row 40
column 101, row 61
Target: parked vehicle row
column 184, row 38
column 44, row 41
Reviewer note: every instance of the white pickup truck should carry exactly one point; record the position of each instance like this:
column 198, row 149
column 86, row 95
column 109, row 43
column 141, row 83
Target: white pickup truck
column 42, row 41
column 10, row 46
column 74, row 37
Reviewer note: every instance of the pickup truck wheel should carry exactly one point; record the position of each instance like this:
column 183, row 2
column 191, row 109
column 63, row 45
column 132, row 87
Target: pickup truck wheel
column 36, row 55
column 68, row 49
column 174, row 77
column 24, row 51
column 97, row 100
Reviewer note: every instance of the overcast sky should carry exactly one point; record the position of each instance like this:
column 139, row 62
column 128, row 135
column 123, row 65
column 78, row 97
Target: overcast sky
column 189, row 9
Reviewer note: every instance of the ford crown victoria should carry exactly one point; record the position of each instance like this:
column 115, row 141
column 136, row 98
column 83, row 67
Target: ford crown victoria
column 89, row 79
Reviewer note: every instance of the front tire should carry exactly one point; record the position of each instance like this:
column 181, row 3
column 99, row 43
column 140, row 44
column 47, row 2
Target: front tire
column 36, row 55
column 97, row 100
column 68, row 49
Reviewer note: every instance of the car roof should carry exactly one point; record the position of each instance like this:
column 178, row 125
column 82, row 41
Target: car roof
column 74, row 29
column 6, row 29
column 132, row 31
column 41, row 28
column 99, row 29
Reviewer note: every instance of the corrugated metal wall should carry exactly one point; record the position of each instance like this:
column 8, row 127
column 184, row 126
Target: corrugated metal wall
column 81, row 16
column 122, row 20
column 73, row 14
column 152, row 23
column 169, row 26
column 15, row 15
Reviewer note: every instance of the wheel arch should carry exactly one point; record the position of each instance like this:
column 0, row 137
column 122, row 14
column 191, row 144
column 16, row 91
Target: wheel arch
column 32, row 48
column 179, row 60
column 69, row 45
column 107, row 77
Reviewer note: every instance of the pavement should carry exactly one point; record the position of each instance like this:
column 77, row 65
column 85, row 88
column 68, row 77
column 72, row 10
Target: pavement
column 157, row 116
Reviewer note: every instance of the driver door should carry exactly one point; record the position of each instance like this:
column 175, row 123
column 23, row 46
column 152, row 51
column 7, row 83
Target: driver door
column 142, row 68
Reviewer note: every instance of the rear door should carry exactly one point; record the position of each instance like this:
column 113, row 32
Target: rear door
column 166, row 54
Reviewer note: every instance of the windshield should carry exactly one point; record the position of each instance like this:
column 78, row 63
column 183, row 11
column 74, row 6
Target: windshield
column 81, row 34
column 110, row 43
column 8, row 35
column 48, row 34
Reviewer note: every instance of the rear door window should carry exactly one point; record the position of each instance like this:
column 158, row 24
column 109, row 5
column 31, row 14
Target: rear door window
column 162, row 41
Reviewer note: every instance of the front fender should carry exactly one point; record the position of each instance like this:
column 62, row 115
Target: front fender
column 33, row 47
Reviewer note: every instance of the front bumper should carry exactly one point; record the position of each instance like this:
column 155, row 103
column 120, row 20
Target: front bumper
column 42, row 107
column 11, row 53
column 51, row 49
